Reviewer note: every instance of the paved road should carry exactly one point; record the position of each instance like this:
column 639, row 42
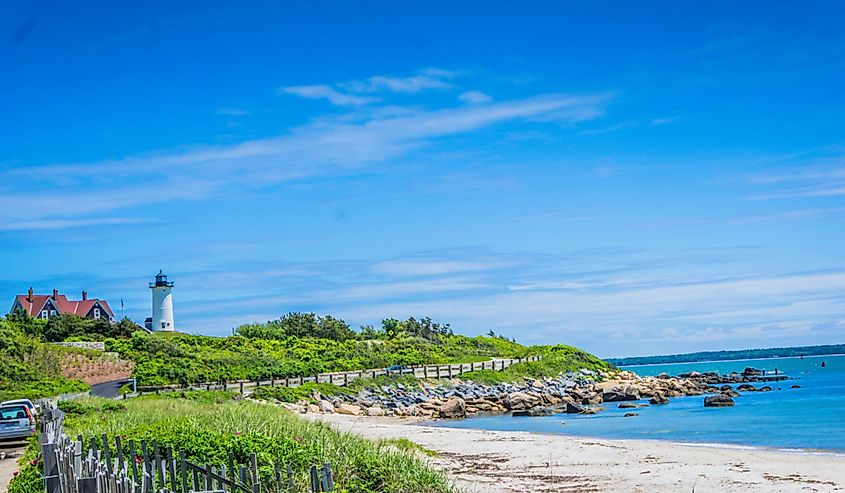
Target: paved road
column 109, row 390
column 9, row 464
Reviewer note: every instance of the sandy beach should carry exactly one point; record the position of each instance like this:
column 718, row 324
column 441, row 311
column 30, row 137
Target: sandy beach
column 499, row 462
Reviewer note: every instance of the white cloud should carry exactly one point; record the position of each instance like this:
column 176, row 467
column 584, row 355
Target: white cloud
column 424, row 80
column 328, row 146
column 322, row 91
column 474, row 97
column 232, row 112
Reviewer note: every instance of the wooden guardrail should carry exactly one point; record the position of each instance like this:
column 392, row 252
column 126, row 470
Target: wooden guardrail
column 344, row 378
column 110, row 466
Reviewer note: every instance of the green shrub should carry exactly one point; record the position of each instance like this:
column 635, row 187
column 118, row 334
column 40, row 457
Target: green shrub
column 304, row 392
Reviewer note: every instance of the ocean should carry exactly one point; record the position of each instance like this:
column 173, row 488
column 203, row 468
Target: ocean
column 811, row 417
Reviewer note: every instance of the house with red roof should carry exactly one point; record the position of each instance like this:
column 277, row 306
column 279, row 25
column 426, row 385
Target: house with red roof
column 46, row 306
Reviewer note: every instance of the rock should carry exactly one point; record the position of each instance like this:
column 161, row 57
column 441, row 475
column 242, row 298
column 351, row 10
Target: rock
column 627, row 405
column 621, row 393
column 663, row 376
column 375, row 411
column 796, row 387
column 453, row 408
column 326, row 406
column 629, row 415
column 749, row 371
column 294, row 408
column 592, row 410
column 313, row 408
column 539, row 411
column 572, row 408
column 746, row 388
column 731, row 393
column 765, row 389
column 718, row 400
column 350, row 409
column 520, row 400
column 658, row 399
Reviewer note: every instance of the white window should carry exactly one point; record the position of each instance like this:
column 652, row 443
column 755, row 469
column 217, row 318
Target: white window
column 163, row 325
column 96, row 313
column 45, row 314
column 52, row 313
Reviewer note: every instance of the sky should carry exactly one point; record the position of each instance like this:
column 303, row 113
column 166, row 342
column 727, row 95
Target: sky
column 629, row 177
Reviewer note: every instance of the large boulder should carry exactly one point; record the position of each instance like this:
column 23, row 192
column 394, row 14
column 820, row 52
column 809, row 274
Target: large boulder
column 350, row 409
column 453, row 408
column 718, row 400
column 375, row 411
column 326, row 407
column 572, row 408
column 520, row 400
column 621, row 393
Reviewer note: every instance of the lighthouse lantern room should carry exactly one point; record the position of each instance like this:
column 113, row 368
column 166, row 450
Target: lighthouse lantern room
column 162, row 319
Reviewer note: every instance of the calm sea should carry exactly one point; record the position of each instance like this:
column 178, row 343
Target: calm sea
column 810, row 417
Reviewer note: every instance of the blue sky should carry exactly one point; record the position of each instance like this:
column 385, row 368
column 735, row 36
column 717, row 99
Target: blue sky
column 632, row 178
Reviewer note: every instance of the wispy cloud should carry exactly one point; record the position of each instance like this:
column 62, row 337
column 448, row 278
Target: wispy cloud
column 322, row 91
column 820, row 173
column 329, row 145
column 232, row 112
column 424, row 80
column 475, row 97
column 49, row 224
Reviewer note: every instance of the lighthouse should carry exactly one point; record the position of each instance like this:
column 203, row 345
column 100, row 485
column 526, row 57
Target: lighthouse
column 162, row 320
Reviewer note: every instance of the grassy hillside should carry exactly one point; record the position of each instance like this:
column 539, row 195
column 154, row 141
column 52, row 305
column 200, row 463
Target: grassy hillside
column 294, row 345
column 28, row 367
column 209, row 430
column 182, row 358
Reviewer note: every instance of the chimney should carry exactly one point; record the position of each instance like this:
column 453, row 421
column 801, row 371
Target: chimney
column 29, row 295
column 84, row 295
column 55, row 293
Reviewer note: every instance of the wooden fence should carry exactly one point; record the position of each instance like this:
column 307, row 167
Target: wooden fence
column 342, row 379
column 111, row 466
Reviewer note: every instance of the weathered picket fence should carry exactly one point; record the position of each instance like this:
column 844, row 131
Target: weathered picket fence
column 142, row 467
column 343, row 378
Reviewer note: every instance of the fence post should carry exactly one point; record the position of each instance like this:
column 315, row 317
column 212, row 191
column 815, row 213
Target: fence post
column 315, row 480
column 425, row 371
column 52, row 482
column 327, row 480
column 272, row 380
column 345, row 379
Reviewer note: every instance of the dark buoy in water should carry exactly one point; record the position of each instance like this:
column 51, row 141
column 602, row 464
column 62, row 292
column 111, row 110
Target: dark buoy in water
column 824, row 365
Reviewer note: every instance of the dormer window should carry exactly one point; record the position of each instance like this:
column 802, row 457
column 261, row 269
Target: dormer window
column 96, row 313
column 45, row 314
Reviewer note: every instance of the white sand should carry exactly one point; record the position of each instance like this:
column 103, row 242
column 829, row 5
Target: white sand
column 492, row 461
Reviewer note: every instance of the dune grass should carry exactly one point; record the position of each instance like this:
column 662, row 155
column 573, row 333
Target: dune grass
column 208, row 432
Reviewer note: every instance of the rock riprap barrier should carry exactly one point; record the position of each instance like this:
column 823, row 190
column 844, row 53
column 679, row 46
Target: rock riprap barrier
column 583, row 392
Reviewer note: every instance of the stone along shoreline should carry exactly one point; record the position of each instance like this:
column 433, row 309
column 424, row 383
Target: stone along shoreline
column 584, row 392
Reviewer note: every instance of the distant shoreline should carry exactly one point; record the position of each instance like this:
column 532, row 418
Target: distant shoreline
column 731, row 355
column 730, row 360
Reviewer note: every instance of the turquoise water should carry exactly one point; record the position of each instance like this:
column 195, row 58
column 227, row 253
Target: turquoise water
column 811, row 417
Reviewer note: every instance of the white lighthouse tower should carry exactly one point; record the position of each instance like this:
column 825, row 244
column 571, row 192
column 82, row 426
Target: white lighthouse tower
column 162, row 304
